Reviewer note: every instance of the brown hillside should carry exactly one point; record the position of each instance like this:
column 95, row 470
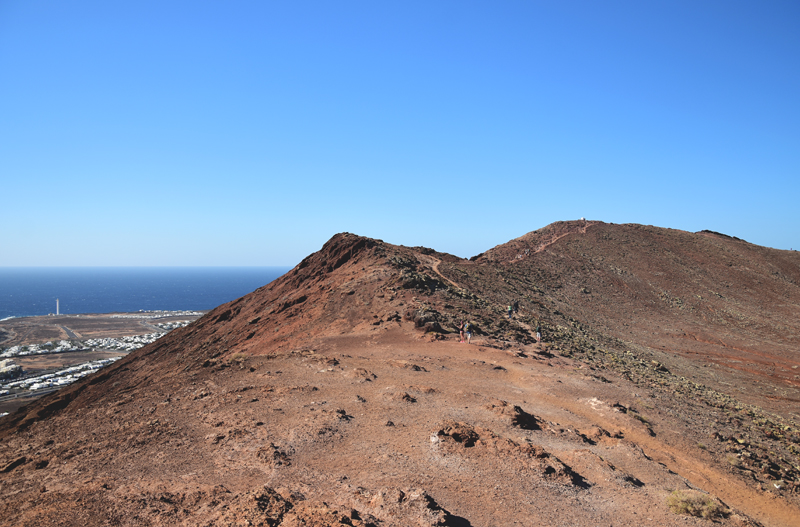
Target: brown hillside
column 340, row 395
column 731, row 308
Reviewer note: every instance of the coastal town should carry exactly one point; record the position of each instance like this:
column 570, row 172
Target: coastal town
column 118, row 343
column 21, row 377
column 58, row 378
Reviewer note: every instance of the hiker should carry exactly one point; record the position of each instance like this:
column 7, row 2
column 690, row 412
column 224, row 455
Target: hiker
column 510, row 310
column 516, row 306
column 461, row 331
column 538, row 333
column 468, row 331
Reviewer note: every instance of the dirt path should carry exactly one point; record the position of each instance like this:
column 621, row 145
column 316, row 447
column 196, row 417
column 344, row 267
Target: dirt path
column 543, row 246
column 7, row 335
column 434, row 264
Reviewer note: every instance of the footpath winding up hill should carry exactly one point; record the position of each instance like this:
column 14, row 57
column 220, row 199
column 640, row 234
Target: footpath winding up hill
column 666, row 382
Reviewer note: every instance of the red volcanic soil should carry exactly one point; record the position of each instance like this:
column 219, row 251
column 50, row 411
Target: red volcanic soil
column 340, row 395
column 718, row 309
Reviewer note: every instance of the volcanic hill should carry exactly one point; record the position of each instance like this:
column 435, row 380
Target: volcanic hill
column 665, row 391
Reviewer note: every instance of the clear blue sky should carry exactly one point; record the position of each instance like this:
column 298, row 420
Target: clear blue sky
column 248, row 133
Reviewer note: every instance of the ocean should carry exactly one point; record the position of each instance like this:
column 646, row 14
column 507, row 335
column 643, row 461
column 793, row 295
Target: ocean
column 32, row 291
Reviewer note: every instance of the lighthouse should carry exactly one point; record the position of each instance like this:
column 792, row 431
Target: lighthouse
column 56, row 306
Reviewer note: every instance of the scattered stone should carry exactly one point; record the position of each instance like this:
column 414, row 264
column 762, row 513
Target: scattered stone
column 518, row 417
column 408, row 365
column 274, row 456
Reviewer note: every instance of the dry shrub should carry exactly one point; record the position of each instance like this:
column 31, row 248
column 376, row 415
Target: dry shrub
column 695, row 503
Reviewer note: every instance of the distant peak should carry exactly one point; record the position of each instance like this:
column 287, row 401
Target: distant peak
column 537, row 240
column 337, row 251
column 715, row 233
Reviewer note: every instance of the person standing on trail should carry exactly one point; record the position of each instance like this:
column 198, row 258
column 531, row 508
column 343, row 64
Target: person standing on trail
column 461, row 331
column 510, row 310
column 516, row 306
column 538, row 333
column 468, row 331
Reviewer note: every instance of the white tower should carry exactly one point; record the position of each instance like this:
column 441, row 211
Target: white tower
column 56, row 306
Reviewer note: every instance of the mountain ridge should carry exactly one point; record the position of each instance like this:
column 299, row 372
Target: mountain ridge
column 624, row 309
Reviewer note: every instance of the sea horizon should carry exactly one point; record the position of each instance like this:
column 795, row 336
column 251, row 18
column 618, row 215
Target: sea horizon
column 32, row 291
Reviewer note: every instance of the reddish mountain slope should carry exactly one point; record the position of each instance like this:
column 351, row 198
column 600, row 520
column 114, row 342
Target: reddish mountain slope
column 340, row 395
column 731, row 308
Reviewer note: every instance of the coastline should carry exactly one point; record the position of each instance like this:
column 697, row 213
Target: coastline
column 39, row 291
column 56, row 350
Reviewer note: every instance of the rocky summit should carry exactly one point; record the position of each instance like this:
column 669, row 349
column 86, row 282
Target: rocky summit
column 664, row 391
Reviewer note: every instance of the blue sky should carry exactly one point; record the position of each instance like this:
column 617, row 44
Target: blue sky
column 248, row 133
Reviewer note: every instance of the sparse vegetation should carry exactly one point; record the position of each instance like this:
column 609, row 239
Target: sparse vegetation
column 238, row 357
column 695, row 503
